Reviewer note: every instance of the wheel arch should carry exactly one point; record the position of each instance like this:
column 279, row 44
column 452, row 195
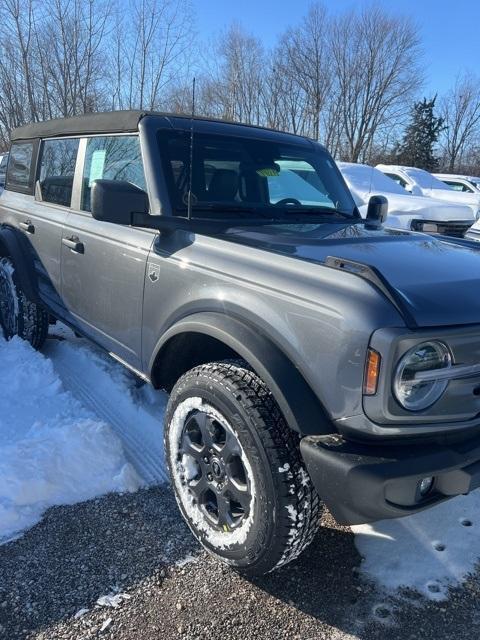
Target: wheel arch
column 12, row 245
column 209, row 336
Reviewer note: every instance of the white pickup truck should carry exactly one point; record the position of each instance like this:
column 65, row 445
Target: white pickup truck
column 405, row 211
column 422, row 183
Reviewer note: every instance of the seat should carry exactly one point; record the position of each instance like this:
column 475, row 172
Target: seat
column 223, row 185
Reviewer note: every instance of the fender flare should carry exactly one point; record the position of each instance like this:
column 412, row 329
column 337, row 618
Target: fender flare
column 297, row 401
column 13, row 245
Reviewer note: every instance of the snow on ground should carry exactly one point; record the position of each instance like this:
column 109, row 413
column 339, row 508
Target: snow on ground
column 104, row 386
column 52, row 449
column 428, row 551
column 75, row 424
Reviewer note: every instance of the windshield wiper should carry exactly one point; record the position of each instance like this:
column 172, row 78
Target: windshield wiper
column 229, row 208
column 320, row 210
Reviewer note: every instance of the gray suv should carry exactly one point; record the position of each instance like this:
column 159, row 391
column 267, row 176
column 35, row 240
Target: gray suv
column 312, row 357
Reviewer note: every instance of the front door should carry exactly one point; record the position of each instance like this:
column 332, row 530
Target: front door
column 104, row 264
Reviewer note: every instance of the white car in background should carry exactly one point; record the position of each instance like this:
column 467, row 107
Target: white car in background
column 466, row 184
column 421, row 183
column 405, row 211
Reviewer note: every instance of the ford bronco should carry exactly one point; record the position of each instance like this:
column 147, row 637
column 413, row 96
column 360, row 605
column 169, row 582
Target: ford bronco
column 312, row 356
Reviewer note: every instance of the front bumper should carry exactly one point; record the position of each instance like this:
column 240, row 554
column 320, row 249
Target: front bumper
column 362, row 483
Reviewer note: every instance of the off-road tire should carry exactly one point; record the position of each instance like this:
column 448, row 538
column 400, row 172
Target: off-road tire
column 18, row 315
column 286, row 509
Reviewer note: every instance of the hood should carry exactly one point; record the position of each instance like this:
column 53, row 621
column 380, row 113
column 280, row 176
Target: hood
column 437, row 280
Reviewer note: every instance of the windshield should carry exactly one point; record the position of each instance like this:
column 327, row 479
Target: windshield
column 253, row 177
column 425, row 180
column 365, row 179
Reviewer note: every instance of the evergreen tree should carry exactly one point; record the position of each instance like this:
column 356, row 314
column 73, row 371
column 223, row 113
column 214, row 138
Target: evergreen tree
column 420, row 137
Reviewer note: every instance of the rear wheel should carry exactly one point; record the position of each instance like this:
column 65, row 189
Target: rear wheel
column 18, row 315
column 236, row 469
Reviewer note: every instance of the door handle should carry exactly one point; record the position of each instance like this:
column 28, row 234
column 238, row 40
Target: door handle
column 74, row 244
column 27, row 226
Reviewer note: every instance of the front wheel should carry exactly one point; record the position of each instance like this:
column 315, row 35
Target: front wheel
column 19, row 316
column 236, row 469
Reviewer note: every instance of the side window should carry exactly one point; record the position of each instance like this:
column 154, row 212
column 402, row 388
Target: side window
column 20, row 169
column 112, row 158
column 397, row 179
column 57, row 169
column 456, row 186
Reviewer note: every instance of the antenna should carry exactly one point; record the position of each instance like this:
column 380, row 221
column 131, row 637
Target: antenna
column 189, row 202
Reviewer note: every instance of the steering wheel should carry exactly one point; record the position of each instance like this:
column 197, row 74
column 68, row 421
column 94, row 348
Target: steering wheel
column 280, row 203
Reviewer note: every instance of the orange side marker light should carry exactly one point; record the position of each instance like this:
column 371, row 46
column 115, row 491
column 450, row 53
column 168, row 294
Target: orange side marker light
column 372, row 370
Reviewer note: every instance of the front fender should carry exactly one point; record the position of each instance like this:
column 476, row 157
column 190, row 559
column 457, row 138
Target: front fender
column 298, row 403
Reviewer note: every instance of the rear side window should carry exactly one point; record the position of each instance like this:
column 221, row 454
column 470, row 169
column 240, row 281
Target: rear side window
column 458, row 186
column 397, row 179
column 20, row 167
column 57, row 169
column 112, row 158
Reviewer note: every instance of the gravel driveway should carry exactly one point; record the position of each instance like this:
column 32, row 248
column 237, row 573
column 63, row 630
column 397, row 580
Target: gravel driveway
column 136, row 549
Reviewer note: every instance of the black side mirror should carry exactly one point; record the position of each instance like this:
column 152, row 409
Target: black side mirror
column 376, row 212
column 117, row 200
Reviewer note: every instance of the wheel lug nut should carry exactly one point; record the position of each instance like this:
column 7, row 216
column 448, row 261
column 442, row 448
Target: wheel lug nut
column 205, row 459
column 209, row 477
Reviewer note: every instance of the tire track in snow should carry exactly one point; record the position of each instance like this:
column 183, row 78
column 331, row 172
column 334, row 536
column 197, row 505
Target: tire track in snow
column 108, row 390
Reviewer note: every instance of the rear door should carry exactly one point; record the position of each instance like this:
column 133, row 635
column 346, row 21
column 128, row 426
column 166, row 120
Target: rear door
column 39, row 210
column 104, row 264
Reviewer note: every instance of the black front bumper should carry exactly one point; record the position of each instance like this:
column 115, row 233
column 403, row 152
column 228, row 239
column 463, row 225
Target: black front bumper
column 362, row 483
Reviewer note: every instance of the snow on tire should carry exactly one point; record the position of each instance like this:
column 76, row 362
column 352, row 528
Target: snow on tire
column 236, row 469
column 18, row 315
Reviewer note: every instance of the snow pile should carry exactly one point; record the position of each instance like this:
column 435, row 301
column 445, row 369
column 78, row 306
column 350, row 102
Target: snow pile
column 52, row 450
column 428, row 551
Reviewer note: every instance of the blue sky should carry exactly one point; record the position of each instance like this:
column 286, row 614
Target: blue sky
column 450, row 29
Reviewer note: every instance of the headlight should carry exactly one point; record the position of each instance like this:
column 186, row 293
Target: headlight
column 415, row 395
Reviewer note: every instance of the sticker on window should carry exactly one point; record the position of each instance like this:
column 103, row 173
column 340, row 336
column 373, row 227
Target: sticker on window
column 97, row 165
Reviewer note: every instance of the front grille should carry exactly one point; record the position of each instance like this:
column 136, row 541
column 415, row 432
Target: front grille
column 454, row 228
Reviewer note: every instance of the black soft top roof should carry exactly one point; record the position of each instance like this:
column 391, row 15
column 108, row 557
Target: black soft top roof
column 108, row 122
column 117, row 122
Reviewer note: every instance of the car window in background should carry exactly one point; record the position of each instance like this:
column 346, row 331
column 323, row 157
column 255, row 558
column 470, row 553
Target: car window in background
column 396, row 178
column 57, row 169
column 19, row 172
column 112, row 158
column 458, row 186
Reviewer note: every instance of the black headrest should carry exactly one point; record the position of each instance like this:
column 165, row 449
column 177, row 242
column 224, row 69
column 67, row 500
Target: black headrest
column 223, row 185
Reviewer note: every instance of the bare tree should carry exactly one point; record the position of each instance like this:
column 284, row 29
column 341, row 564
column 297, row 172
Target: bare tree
column 376, row 65
column 308, row 63
column 460, row 109
column 151, row 44
column 237, row 82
